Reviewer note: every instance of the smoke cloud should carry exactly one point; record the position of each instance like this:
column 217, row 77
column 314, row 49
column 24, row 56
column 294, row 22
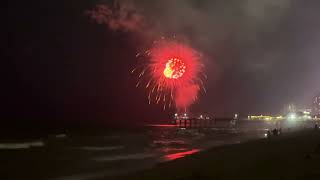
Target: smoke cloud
column 212, row 26
column 185, row 96
column 122, row 15
column 249, row 41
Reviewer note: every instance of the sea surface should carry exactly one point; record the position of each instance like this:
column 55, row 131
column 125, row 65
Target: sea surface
column 68, row 156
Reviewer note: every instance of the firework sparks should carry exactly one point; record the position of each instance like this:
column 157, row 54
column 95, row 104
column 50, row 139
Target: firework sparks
column 174, row 69
column 172, row 73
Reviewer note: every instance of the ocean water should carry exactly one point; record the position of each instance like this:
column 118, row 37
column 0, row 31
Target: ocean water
column 76, row 156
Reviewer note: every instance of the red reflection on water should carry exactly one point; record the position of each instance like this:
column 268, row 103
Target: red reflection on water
column 161, row 125
column 180, row 154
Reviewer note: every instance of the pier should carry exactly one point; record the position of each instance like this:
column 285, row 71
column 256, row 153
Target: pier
column 203, row 123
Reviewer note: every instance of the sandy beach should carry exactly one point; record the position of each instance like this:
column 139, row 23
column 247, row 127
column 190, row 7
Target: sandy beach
column 294, row 155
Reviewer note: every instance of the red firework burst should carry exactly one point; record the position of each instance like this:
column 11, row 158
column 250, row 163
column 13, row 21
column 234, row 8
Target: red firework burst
column 173, row 70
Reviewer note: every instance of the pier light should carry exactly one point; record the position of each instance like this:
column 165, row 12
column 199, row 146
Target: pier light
column 235, row 116
column 306, row 112
column 307, row 116
column 292, row 116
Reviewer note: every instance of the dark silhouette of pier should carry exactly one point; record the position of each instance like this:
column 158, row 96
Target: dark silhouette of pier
column 204, row 123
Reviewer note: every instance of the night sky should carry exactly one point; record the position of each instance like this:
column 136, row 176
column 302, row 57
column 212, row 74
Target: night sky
column 61, row 66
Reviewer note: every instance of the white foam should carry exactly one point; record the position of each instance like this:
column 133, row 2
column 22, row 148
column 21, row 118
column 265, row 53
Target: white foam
column 60, row 135
column 125, row 157
column 36, row 144
column 168, row 142
column 14, row 146
column 24, row 145
column 101, row 148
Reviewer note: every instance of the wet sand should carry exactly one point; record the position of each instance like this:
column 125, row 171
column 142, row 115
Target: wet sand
column 294, row 155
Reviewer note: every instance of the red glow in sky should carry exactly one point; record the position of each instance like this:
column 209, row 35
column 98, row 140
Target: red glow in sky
column 173, row 71
column 174, row 63
column 175, row 67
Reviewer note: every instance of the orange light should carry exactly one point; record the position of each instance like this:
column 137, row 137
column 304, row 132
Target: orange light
column 168, row 71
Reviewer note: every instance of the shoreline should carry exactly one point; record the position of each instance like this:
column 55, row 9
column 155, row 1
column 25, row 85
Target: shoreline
column 292, row 155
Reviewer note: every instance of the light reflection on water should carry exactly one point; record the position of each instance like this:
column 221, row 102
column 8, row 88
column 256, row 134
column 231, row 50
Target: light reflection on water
column 174, row 156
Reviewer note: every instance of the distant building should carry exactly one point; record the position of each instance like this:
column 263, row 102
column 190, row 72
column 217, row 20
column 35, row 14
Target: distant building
column 316, row 105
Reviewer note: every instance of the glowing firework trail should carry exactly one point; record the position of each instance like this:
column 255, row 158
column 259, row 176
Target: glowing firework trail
column 172, row 73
